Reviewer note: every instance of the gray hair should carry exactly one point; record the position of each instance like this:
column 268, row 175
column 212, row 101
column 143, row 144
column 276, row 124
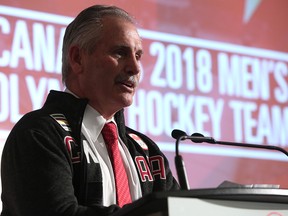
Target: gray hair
column 85, row 30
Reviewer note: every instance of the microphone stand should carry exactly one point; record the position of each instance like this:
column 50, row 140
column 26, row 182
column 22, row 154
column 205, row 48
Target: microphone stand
column 180, row 166
column 276, row 148
column 199, row 139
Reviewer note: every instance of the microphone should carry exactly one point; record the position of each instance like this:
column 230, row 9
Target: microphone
column 179, row 162
column 178, row 133
column 199, row 138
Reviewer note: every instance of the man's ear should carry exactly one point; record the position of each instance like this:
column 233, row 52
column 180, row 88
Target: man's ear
column 75, row 57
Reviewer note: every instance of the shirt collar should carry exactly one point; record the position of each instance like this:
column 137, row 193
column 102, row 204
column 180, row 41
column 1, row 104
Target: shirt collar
column 93, row 121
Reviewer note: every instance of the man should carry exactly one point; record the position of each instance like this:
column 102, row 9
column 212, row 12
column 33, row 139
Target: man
column 55, row 160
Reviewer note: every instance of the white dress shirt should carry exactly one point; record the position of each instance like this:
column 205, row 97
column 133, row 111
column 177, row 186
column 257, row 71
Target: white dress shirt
column 92, row 126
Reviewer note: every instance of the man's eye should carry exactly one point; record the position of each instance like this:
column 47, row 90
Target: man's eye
column 138, row 57
column 121, row 53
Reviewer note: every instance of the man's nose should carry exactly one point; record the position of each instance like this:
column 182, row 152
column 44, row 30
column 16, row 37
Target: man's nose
column 133, row 65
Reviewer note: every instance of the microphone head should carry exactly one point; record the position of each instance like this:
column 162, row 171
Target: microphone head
column 197, row 134
column 176, row 133
column 199, row 138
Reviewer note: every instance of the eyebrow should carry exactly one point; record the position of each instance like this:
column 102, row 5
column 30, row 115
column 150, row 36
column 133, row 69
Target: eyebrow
column 128, row 48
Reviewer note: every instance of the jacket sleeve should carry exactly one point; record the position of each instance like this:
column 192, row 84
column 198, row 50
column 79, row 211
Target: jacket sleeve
column 37, row 175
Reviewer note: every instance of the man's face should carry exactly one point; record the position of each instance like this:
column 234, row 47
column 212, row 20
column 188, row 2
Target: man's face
column 111, row 73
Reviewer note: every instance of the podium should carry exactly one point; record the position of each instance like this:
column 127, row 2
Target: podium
column 216, row 201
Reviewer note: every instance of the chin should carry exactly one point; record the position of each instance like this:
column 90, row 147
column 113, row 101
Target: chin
column 127, row 102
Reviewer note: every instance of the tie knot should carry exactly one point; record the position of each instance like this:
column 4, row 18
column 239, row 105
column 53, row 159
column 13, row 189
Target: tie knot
column 109, row 132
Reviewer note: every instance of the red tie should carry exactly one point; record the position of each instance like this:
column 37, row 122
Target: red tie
column 109, row 133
